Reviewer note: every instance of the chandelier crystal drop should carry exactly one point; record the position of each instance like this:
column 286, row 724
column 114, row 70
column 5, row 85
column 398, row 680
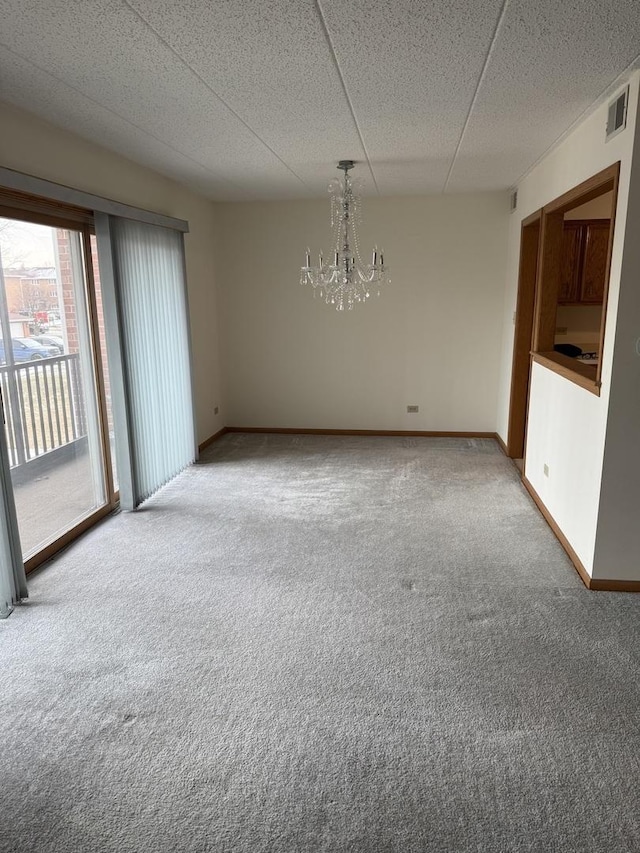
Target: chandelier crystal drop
column 347, row 280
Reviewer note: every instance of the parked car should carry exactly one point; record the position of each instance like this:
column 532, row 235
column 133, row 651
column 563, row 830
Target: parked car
column 26, row 349
column 49, row 341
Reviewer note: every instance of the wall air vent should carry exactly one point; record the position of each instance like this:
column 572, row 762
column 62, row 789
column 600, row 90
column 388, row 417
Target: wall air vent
column 617, row 114
column 514, row 200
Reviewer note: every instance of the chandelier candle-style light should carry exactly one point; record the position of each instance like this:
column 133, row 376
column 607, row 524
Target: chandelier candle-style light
column 347, row 280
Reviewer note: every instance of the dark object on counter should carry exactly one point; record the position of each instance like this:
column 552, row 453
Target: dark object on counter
column 568, row 349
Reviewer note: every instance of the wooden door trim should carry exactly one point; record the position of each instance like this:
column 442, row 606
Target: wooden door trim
column 593, row 187
column 50, row 550
column 522, row 337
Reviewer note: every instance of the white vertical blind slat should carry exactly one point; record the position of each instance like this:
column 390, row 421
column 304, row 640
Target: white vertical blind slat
column 153, row 315
column 13, row 581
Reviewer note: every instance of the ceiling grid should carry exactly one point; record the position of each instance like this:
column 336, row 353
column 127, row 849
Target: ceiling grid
column 210, row 88
column 54, row 94
column 336, row 62
column 254, row 100
column 476, row 93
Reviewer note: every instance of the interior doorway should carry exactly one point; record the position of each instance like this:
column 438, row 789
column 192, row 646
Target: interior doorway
column 523, row 334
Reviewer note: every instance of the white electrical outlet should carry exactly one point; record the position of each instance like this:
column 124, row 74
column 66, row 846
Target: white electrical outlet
column 546, row 470
column 413, row 410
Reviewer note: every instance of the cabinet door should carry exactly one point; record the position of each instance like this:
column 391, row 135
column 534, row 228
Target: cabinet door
column 595, row 262
column 571, row 262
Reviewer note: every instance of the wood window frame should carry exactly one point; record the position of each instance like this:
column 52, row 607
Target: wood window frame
column 548, row 281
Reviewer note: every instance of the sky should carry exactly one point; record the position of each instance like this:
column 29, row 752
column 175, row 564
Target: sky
column 26, row 244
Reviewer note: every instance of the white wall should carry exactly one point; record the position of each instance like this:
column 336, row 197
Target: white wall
column 432, row 339
column 617, row 552
column 567, row 424
column 30, row 145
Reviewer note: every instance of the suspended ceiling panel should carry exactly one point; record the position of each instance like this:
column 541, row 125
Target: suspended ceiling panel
column 257, row 100
column 575, row 49
column 64, row 106
column 271, row 64
column 411, row 69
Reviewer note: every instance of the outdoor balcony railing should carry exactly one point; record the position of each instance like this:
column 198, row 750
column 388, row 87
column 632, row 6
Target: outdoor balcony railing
column 43, row 406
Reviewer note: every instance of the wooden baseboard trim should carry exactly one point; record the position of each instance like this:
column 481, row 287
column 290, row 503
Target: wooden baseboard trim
column 380, row 432
column 503, row 447
column 212, row 438
column 562, row 539
column 604, row 585
column 599, row 584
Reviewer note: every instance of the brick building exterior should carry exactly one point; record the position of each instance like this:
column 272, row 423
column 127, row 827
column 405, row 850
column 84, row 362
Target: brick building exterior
column 31, row 289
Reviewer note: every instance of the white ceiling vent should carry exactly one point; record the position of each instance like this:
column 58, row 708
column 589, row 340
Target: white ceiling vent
column 514, row 200
column 617, row 114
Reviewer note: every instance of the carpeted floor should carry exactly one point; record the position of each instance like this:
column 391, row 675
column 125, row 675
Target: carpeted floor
column 322, row 644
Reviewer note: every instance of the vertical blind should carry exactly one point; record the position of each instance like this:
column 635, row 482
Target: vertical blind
column 146, row 325
column 150, row 289
column 13, row 582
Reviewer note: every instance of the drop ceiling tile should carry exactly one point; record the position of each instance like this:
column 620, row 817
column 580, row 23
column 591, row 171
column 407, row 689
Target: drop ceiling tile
column 270, row 62
column 550, row 63
column 411, row 68
column 419, row 176
column 23, row 84
column 105, row 51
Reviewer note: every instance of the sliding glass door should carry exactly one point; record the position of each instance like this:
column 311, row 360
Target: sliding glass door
column 53, row 387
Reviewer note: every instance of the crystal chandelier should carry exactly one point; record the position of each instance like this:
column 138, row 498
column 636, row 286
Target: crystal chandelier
column 347, row 280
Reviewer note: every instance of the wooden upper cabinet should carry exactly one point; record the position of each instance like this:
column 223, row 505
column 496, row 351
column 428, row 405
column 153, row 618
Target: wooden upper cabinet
column 571, row 262
column 595, row 261
column 585, row 244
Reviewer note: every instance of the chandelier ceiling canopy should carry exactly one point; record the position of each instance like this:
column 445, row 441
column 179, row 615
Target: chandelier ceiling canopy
column 347, row 280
